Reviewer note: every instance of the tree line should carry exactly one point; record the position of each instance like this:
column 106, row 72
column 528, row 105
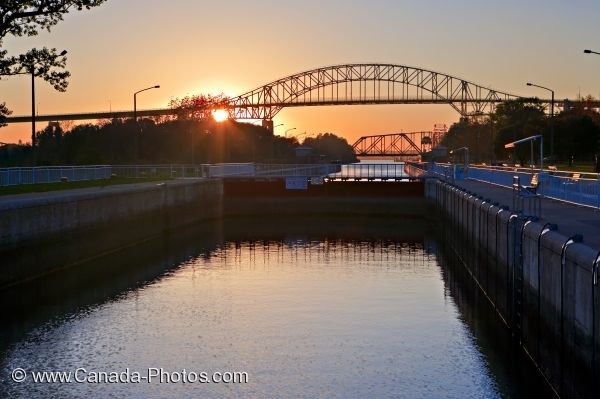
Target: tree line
column 169, row 141
column 26, row 18
column 576, row 133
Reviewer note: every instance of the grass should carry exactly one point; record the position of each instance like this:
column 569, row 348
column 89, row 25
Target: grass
column 44, row 187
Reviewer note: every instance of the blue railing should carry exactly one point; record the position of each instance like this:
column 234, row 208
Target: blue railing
column 443, row 171
column 564, row 186
column 575, row 187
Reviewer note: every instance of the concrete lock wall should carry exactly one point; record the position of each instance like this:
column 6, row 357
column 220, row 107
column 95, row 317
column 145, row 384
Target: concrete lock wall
column 40, row 235
column 542, row 284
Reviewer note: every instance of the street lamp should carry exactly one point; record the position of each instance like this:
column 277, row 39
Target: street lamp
column 303, row 134
column 32, row 71
column 598, row 144
column 273, row 131
column 466, row 158
column 136, row 141
column 551, row 116
column 289, row 130
column 135, row 100
column 531, row 139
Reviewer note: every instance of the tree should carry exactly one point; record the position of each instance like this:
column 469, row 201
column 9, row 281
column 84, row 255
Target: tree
column 198, row 106
column 332, row 147
column 26, row 18
column 473, row 134
column 514, row 120
column 4, row 112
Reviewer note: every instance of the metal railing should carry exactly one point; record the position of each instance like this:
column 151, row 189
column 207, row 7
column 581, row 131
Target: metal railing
column 371, row 171
column 576, row 187
column 271, row 170
column 415, row 170
column 569, row 186
column 446, row 172
column 161, row 171
column 53, row 174
column 242, row 170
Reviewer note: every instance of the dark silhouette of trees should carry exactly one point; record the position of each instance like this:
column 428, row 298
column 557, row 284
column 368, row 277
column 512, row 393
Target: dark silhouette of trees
column 168, row 141
column 26, row 18
column 331, row 147
column 197, row 107
column 515, row 120
column 577, row 135
column 4, row 112
column 576, row 132
column 478, row 136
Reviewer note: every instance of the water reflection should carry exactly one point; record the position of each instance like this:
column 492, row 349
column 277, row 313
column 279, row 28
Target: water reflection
column 337, row 308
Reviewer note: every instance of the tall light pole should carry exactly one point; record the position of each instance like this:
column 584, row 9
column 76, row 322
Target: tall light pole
column 280, row 124
column 137, row 132
column 302, row 134
column 587, row 51
column 289, row 130
column 551, row 116
column 466, row 158
column 32, row 71
column 135, row 100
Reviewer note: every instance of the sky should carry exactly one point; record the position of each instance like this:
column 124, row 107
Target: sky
column 192, row 47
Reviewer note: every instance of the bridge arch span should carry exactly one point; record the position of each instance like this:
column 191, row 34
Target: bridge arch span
column 350, row 84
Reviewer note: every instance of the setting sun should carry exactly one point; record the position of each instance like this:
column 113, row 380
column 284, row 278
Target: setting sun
column 220, row 115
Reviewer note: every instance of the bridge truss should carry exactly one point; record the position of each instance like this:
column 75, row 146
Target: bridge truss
column 348, row 84
column 395, row 144
column 366, row 84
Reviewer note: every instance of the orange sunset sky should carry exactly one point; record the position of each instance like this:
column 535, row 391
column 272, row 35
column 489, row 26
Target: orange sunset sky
column 192, row 47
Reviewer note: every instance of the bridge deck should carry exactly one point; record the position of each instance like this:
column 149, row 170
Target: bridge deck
column 571, row 219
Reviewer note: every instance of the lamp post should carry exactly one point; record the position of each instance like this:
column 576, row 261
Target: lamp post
column 466, row 158
column 531, row 139
column 32, row 72
column 587, row 51
column 551, row 116
column 297, row 136
column 289, row 130
column 135, row 100
column 465, row 169
column 137, row 150
column 280, row 124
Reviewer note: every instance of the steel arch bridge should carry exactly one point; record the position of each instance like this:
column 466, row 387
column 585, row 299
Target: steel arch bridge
column 347, row 84
column 366, row 84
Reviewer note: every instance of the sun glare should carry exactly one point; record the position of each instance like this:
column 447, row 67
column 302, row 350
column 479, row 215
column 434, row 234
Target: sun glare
column 220, row 115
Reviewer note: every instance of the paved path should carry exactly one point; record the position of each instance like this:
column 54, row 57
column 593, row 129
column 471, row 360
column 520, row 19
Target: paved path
column 34, row 199
column 571, row 219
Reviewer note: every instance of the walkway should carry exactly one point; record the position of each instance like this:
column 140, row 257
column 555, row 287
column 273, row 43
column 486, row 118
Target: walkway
column 12, row 201
column 570, row 219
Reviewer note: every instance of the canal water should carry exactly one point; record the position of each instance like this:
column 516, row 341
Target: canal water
column 333, row 308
